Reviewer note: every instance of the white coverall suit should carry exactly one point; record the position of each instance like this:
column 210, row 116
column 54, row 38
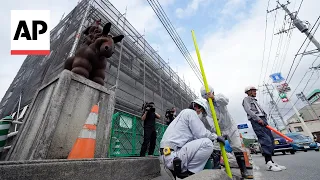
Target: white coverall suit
column 226, row 123
column 190, row 140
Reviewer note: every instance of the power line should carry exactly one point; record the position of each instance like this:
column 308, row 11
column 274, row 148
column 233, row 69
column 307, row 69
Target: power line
column 304, row 50
column 157, row 8
column 301, row 91
column 302, row 79
column 279, row 47
column 274, row 24
column 305, row 85
column 264, row 45
column 299, row 7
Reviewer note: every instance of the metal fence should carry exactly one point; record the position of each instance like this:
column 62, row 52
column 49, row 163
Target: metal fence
column 127, row 135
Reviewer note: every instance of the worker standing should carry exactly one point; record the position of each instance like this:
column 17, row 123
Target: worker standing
column 186, row 144
column 228, row 128
column 170, row 115
column 149, row 126
column 258, row 119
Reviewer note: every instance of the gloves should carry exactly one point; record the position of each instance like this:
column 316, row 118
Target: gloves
column 220, row 139
column 261, row 122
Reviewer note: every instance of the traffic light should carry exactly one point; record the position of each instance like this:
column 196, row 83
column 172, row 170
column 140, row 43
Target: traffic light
column 283, row 97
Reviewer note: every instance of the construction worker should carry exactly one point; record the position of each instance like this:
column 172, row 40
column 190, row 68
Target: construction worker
column 186, row 144
column 149, row 126
column 228, row 128
column 258, row 119
column 170, row 115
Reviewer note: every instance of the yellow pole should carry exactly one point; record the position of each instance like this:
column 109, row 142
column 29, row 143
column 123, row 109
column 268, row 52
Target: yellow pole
column 215, row 121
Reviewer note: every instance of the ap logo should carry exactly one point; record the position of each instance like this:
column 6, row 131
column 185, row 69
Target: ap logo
column 30, row 32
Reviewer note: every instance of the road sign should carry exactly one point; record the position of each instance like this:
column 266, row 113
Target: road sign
column 283, row 88
column 243, row 126
column 276, row 77
column 283, row 95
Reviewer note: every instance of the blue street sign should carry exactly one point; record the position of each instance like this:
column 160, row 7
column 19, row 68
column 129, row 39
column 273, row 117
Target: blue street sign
column 243, row 126
column 276, row 77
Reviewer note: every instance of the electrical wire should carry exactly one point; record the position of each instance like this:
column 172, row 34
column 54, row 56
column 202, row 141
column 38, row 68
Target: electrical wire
column 270, row 48
column 157, row 8
column 278, row 100
column 301, row 91
column 305, row 85
column 264, row 44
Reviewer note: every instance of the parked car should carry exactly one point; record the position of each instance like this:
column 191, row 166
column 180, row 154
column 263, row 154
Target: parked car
column 254, row 148
column 282, row 145
column 302, row 142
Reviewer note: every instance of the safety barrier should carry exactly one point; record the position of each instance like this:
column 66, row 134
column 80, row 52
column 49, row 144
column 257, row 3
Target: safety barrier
column 127, row 135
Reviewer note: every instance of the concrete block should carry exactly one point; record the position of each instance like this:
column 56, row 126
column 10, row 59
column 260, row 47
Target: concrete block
column 56, row 116
column 89, row 169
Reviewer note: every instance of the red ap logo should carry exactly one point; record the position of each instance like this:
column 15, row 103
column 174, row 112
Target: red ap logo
column 30, row 33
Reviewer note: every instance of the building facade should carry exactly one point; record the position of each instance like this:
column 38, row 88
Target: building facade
column 310, row 115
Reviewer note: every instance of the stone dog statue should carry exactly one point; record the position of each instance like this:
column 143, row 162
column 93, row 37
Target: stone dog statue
column 90, row 59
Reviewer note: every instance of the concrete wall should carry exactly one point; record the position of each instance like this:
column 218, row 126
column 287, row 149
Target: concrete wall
column 90, row 169
column 56, row 116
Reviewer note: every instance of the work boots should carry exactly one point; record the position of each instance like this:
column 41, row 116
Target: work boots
column 242, row 165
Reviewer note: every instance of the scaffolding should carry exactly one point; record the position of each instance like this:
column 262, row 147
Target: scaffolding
column 142, row 77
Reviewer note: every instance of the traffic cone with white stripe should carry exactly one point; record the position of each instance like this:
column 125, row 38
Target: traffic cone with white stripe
column 85, row 145
column 246, row 156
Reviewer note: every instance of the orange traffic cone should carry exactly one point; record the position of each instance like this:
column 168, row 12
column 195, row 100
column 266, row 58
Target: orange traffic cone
column 85, row 145
column 246, row 157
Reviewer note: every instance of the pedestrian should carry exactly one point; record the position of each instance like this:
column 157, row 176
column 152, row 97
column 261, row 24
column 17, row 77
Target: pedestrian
column 149, row 134
column 170, row 115
column 258, row 119
column 186, row 143
column 228, row 128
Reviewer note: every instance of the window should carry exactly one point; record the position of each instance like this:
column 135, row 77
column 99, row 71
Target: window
column 298, row 129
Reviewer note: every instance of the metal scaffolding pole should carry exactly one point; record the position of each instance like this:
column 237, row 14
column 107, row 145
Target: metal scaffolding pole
column 76, row 41
column 144, row 68
column 121, row 49
column 171, row 86
column 160, row 85
column 17, row 119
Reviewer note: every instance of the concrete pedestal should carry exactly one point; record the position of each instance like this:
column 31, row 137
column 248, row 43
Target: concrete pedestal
column 89, row 169
column 56, row 116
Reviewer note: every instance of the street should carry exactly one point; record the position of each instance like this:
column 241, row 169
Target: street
column 302, row 166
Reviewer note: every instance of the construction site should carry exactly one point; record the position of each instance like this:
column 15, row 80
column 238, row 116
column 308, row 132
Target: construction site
column 135, row 73
column 143, row 76
column 90, row 119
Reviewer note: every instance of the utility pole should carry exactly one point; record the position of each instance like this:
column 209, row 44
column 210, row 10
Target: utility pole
column 305, row 127
column 304, row 99
column 277, row 108
column 302, row 27
column 275, row 123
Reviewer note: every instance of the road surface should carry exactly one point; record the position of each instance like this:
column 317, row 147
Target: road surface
column 302, row 166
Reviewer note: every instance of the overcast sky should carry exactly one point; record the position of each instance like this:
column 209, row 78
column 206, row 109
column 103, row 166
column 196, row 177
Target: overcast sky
column 230, row 35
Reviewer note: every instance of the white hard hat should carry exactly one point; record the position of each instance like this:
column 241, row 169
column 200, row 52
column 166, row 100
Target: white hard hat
column 202, row 103
column 204, row 93
column 249, row 88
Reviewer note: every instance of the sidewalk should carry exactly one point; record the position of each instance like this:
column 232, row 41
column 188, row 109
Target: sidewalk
column 203, row 175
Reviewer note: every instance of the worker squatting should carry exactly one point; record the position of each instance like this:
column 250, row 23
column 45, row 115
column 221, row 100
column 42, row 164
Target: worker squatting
column 191, row 139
